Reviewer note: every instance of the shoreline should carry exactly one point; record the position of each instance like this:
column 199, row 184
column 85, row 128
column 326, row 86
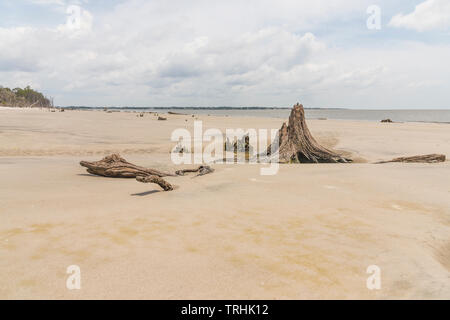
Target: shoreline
column 168, row 111
column 148, row 135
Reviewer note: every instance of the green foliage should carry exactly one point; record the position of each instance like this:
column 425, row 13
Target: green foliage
column 25, row 97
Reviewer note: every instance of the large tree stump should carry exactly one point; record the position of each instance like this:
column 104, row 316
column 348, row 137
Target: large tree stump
column 117, row 167
column 428, row 158
column 296, row 144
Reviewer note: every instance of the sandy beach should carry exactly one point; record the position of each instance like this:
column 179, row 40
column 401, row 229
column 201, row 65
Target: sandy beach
column 309, row 231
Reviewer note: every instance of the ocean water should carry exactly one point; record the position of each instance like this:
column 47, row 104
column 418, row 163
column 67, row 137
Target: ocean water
column 416, row 115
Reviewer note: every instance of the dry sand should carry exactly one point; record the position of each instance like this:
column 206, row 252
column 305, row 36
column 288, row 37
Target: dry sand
column 308, row 232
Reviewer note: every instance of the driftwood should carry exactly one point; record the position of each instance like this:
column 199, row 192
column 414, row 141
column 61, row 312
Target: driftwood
column 117, row 167
column 296, row 144
column 428, row 158
column 202, row 170
column 155, row 179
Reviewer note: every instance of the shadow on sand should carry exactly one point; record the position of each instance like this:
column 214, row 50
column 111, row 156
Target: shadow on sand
column 146, row 193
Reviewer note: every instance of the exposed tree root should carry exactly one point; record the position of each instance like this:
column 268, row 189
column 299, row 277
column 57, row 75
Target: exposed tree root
column 428, row 158
column 117, row 167
column 155, row 179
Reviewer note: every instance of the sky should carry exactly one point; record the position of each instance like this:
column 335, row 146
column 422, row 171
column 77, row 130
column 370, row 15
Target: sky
column 160, row 53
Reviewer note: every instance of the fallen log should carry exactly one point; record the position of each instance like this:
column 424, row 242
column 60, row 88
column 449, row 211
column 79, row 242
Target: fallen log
column 428, row 158
column 294, row 143
column 117, row 167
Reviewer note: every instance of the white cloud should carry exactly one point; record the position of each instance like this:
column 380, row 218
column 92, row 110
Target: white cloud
column 209, row 53
column 428, row 15
column 48, row 2
column 58, row 2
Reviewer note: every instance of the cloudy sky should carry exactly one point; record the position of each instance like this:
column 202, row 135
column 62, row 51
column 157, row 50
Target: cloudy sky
column 229, row 52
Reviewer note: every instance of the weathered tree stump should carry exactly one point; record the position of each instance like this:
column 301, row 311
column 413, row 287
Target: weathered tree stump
column 240, row 145
column 296, row 144
column 428, row 158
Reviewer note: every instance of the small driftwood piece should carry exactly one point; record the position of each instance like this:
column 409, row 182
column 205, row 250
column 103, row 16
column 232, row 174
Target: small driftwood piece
column 428, row 158
column 202, row 170
column 296, row 143
column 155, row 179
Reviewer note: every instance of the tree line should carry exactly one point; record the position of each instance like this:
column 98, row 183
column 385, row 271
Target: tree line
column 23, row 98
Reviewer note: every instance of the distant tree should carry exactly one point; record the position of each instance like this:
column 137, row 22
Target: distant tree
column 25, row 97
